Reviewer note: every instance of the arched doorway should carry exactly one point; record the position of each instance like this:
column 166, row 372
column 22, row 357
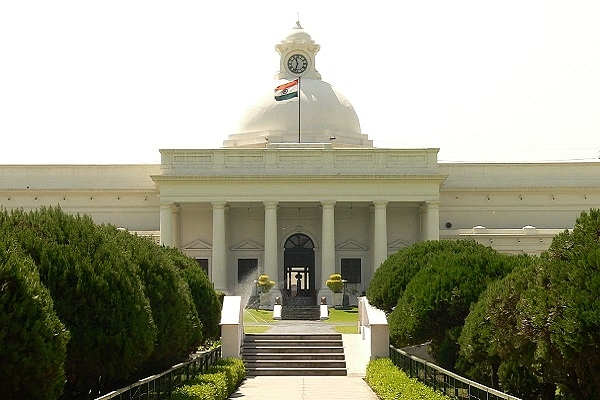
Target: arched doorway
column 299, row 267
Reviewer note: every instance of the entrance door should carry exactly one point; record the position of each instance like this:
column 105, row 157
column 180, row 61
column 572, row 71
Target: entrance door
column 299, row 267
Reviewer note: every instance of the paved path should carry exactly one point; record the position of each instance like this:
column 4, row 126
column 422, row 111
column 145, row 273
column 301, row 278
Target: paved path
column 313, row 387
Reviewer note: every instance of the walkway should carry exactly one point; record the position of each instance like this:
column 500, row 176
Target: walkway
column 313, row 387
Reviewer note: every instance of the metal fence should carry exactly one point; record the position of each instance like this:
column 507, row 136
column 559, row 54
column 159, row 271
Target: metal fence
column 450, row 384
column 160, row 386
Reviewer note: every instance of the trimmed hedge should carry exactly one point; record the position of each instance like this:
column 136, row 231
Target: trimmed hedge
column 389, row 382
column 221, row 380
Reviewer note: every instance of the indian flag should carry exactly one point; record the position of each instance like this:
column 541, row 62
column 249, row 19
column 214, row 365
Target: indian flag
column 287, row 90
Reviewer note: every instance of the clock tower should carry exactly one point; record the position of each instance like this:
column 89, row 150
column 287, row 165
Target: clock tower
column 297, row 53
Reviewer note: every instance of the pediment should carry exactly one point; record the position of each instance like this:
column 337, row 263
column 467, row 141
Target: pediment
column 198, row 245
column 397, row 244
column 351, row 245
column 247, row 245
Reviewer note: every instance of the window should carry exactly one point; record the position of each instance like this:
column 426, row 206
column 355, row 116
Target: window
column 203, row 263
column 247, row 269
column 351, row 269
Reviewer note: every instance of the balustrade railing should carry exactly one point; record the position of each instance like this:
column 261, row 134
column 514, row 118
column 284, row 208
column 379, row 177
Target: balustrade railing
column 451, row 384
column 157, row 387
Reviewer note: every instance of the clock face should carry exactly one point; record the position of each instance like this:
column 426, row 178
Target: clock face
column 297, row 63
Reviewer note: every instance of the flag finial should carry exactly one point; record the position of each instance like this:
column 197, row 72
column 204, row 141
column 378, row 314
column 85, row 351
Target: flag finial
column 298, row 26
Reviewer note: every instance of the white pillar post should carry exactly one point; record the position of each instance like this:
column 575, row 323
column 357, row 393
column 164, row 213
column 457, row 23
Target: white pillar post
column 219, row 251
column 380, row 251
column 175, row 225
column 327, row 247
column 432, row 220
column 270, row 261
column 166, row 224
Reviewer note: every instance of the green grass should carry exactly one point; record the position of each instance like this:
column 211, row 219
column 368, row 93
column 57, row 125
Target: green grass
column 256, row 329
column 343, row 316
column 253, row 316
column 346, row 329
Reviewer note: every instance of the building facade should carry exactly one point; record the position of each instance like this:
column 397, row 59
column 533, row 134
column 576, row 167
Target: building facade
column 299, row 193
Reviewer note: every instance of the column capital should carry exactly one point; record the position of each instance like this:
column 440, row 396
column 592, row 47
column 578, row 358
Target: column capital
column 328, row 203
column 270, row 204
column 218, row 204
column 380, row 203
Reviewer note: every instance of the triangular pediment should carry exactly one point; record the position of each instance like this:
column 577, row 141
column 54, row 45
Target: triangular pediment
column 247, row 245
column 351, row 245
column 198, row 245
column 397, row 244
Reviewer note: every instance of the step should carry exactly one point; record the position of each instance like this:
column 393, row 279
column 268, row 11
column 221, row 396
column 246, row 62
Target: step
column 297, row 372
column 288, row 364
column 294, row 354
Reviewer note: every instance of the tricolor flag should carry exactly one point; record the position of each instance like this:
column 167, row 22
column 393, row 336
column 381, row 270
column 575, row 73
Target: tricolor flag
column 287, row 90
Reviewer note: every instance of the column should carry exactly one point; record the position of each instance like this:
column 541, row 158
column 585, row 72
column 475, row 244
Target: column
column 432, row 220
column 219, row 251
column 328, row 241
column 380, row 251
column 175, row 225
column 270, row 262
column 166, row 224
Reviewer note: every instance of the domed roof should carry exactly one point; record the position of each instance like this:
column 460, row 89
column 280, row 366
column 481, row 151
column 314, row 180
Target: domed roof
column 326, row 115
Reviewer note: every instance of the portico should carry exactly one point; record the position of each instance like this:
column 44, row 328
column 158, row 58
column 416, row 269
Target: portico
column 353, row 204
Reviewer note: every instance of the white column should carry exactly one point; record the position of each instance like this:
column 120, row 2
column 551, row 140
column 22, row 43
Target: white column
column 219, row 251
column 175, row 225
column 380, row 251
column 270, row 262
column 432, row 220
column 166, row 224
column 328, row 241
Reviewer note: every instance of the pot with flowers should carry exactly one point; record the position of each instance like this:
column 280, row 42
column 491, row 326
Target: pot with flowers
column 265, row 284
column 336, row 285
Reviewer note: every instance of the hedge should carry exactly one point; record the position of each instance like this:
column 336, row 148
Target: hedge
column 389, row 382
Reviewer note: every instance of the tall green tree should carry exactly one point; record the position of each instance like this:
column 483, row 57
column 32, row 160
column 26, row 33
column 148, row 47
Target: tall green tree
column 390, row 279
column 204, row 295
column 438, row 298
column 33, row 341
column 97, row 294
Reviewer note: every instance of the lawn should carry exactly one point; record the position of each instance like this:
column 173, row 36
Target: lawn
column 345, row 321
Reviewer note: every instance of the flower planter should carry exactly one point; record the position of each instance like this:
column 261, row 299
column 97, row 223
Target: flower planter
column 265, row 299
column 337, row 299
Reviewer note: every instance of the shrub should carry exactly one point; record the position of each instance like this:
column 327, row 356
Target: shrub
column 391, row 278
column 195, row 392
column 204, row 295
column 265, row 283
column 335, row 284
column 96, row 291
column 235, row 370
column 33, row 340
column 216, row 379
column 389, row 382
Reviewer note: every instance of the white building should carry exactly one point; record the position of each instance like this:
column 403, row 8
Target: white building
column 301, row 199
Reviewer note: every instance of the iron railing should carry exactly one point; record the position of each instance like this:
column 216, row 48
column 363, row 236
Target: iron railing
column 439, row 379
column 157, row 387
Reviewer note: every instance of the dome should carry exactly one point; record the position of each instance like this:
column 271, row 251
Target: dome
column 326, row 116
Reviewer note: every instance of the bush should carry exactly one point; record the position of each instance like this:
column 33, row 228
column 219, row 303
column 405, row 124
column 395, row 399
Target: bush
column 216, row 379
column 265, row 283
column 220, row 381
column 438, row 298
column 33, row 341
column 389, row 382
column 195, row 392
column 204, row 295
column 391, row 278
column 178, row 328
column 335, row 284
column 97, row 294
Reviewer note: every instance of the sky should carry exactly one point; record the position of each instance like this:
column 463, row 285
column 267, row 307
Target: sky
column 112, row 82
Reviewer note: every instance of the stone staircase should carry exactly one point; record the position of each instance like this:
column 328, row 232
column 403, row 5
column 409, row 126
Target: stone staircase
column 294, row 354
column 300, row 308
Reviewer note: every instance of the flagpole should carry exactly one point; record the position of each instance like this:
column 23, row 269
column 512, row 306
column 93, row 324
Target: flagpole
column 299, row 110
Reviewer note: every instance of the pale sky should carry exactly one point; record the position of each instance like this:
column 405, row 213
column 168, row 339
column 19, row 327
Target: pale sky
column 99, row 82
